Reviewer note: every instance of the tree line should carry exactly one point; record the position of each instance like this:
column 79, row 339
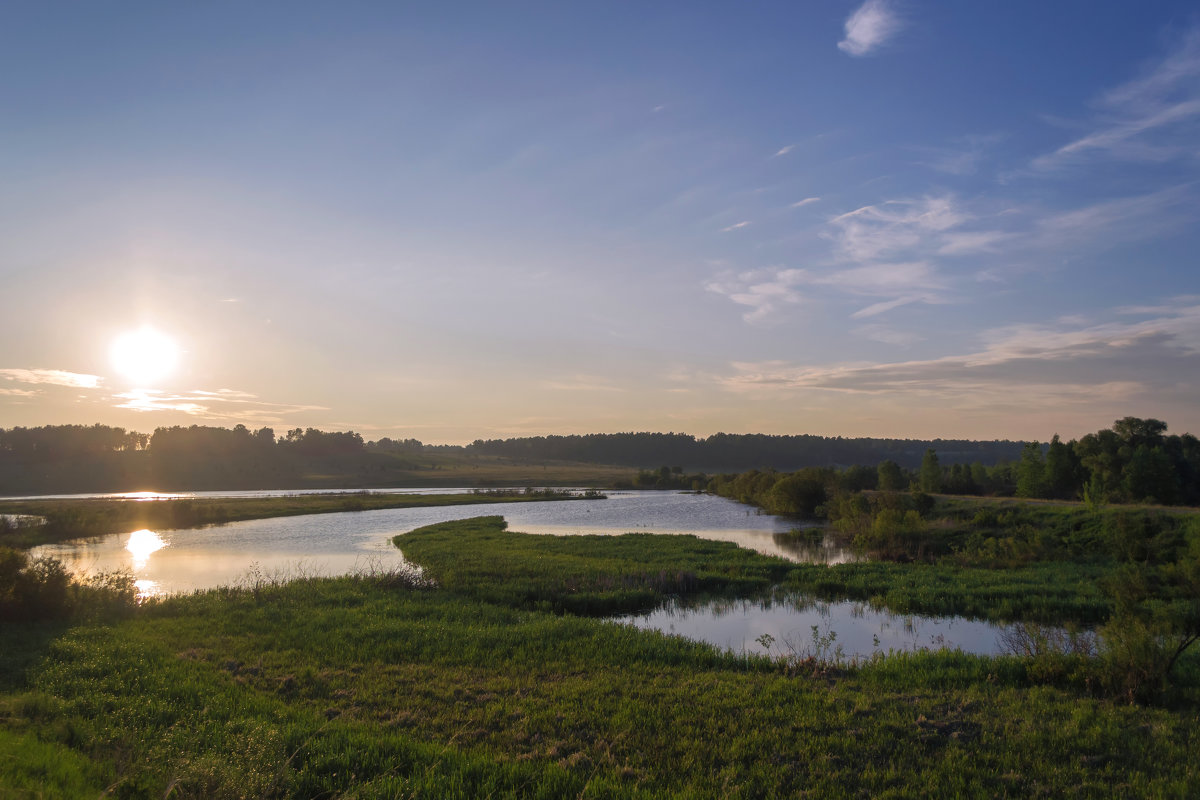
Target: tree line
column 723, row 452
column 1134, row 461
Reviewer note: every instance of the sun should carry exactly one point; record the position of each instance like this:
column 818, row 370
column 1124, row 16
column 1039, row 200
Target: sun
column 145, row 356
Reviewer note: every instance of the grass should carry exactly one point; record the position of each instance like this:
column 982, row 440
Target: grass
column 77, row 518
column 482, row 560
column 495, row 684
column 349, row 687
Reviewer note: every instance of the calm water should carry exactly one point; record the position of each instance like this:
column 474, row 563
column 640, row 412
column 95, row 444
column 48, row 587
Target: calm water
column 334, row 544
column 839, row 631
column 171, row 561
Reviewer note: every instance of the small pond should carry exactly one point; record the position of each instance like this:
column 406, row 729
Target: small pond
column 796, row 627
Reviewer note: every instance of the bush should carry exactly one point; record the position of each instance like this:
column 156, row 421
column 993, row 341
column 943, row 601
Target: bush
column 42, row 589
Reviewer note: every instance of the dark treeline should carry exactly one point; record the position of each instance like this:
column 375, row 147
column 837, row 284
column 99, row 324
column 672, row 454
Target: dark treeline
column 102, row 458
column 1134, row 461
column 724, row 452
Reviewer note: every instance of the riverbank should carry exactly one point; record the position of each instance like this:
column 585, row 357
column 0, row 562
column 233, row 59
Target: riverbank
column 383, row 686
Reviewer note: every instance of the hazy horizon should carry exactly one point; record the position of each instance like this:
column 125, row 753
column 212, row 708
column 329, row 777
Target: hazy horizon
column 889, row 219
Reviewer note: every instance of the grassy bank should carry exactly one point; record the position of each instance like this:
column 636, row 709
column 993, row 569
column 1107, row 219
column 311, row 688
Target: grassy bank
column 376, row 687
column 71, row 519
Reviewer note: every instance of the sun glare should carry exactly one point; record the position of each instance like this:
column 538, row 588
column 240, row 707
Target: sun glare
column 144, row 356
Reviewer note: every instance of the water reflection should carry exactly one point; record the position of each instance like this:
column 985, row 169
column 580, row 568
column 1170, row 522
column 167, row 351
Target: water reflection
column 797, row 627
column 141, row 544
column 814, row 546
column 334, row 544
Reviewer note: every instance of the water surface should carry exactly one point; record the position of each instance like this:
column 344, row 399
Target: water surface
column 336, row 544
column 797, row 627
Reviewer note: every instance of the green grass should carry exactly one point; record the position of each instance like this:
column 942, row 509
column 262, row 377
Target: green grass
column 1048, row 592
column 482, row 560
column 344, row 687
column 77, row 518
column 487, row 687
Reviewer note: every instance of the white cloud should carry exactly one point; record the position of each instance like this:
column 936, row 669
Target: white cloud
column 783, row 151
column 869, row 27
column 736, row 226
column 1123, row 219
column 224, row 404
column 52, row 377
column 1158, row 355
column 805, row 202
column 1152, row 118
column 763, row 291
column 895, row 227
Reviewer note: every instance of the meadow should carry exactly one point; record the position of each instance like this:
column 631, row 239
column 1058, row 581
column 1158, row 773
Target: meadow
column 492, row 673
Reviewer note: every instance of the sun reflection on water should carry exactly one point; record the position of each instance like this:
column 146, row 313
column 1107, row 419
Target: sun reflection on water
column 141, row 544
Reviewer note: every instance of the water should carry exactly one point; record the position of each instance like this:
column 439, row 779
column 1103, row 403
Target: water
column 148, row 496
column 170, row 561
column 796, row 628
column 173, row 561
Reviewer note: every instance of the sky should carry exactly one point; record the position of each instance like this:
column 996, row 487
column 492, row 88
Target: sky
column 450, row 221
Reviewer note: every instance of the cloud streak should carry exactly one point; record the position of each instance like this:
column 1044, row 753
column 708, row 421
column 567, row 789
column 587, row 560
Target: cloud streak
column 869, row 27
column 52, row 377
column 1158, row 354
column 223, row 404
column 1153, row 118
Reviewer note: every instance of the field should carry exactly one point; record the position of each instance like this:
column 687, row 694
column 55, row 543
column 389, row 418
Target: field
column 501, row 681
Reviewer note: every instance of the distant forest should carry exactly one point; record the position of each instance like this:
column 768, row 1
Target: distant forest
column 1135, row 458
column 729, row 452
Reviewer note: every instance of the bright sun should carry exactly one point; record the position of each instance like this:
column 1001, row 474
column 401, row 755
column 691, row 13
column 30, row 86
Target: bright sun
column 144, row 356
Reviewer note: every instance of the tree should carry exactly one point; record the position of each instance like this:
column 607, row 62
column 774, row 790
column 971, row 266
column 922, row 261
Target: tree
column 1062, row 470
column 931, row 472
column 891, row 477
column 1031, row 472
column 1150, row 477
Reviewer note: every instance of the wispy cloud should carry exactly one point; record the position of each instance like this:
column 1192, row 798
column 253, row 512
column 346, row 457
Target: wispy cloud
column 896, row 228
column 1159, row 353
column 582, row 383
column 223, row 404
column 888, row 335
column 1152, row 118
column 808, row 201
column 783, row 151
column 52, row 377
column 764, row 291
column 1120, row 220
column 885, row 251
column 17, row 393
column 869, row 27
column 960, row 157
column 736, row 226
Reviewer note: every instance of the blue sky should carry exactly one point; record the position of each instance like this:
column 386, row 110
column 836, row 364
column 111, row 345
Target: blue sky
column 908, row 219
